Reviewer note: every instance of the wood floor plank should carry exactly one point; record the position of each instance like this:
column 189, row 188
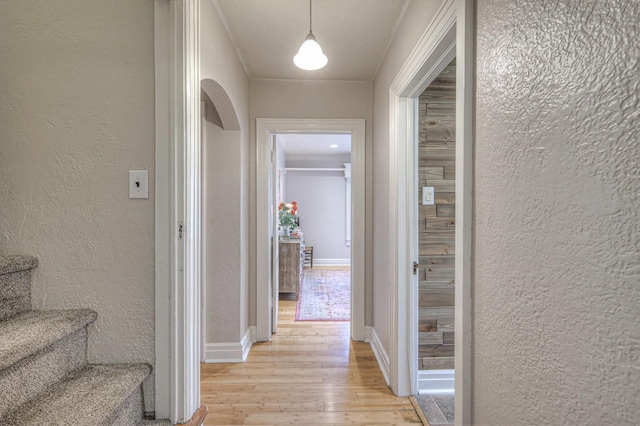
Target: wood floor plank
column 309, row 373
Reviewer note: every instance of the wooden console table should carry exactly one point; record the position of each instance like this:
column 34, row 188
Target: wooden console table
column 291, row 256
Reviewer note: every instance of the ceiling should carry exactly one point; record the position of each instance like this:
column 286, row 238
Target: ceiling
column 354, row 34
column 314, row 144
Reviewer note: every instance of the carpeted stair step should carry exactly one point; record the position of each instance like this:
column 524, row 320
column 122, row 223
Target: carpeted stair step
column 37, row 350
column 95, row 395
column 15, row 284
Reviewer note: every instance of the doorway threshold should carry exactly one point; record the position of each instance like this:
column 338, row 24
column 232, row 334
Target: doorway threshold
column 436, row 382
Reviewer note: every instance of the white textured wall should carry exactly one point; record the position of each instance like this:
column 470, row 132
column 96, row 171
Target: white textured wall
column 321, row 198
column 76, row 113
column 222, row 239
column 315, row 99
column 415, row 21
column 226, row 169
column 280, row 165
column 557, row 227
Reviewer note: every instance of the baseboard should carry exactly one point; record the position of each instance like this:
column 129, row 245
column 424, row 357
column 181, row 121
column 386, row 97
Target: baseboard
column 247, row 342
column 215, row 353
column 436, row 382
column 380, row 353
column 368, row 331
column 332, row 262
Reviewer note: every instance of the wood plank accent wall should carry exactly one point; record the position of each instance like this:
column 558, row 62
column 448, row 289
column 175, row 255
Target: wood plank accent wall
column 437, row 107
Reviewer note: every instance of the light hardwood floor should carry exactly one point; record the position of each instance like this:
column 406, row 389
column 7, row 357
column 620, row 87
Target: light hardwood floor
column 309, row 373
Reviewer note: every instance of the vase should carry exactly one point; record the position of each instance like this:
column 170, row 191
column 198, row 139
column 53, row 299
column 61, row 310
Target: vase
column 286, row 232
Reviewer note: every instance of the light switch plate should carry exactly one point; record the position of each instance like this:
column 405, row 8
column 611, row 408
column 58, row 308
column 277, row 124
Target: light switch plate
column 138, row 184
column 428, row 197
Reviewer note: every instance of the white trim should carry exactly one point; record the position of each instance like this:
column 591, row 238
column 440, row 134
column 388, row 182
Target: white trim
column 264, row 128
column 187, row 294
column 178, row 262
column 203, row 287
column 413, row 298
column 436, row 382
column 274, row 301
column 164, row 232
column 401, row 305
column 314, row 169
column 246, row 344
column 331, row 262
column 431, row 54
column 216, row 353
column 230, row 352
column 347, row 192
column 436, row 43
column 368, row 332
column 380, row 354
column 465, row 112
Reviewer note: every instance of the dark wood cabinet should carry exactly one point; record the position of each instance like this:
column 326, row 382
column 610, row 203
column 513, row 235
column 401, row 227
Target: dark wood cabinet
column 291, row 254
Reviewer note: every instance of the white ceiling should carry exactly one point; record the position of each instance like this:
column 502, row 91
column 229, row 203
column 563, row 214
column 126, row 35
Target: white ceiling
column 314, row 144
column 354, row 34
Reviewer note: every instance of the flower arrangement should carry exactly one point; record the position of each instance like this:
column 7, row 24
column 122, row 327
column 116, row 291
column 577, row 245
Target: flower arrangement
column 287, row 214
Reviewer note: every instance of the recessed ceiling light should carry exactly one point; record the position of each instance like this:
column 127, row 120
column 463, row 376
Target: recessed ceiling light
column 333, row 145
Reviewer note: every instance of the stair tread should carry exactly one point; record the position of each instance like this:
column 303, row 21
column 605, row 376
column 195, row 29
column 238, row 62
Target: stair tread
column 28, row 333
column 87, row 397
column 16, row 263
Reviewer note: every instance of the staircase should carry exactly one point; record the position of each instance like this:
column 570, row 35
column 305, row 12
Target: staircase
column 44, row 375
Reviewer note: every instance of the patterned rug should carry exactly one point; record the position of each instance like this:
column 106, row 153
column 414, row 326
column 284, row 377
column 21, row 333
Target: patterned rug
column 325, row 295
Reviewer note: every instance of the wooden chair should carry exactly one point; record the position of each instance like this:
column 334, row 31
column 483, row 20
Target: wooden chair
column 308, row 256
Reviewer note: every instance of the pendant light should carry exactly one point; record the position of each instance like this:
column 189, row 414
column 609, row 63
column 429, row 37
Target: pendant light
column 310, row 56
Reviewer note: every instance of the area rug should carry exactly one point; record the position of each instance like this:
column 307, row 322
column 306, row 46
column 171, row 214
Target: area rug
column 324, row 295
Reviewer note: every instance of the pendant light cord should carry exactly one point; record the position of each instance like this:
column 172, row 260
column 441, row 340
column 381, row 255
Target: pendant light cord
column 310, row 19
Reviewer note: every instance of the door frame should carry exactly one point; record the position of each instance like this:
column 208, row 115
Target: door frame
column 450, row 34
column 268, row 126
column 274, row 243
column 178, row 198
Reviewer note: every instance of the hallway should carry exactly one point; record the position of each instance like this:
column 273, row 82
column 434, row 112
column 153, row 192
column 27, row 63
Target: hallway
column 309, row 373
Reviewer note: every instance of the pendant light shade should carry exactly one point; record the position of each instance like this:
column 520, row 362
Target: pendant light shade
column 310, row 56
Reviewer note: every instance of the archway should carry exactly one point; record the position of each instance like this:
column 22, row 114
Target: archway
column 217, row 97
column 225, row 336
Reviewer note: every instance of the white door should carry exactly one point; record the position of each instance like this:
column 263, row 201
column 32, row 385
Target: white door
column 273, row 235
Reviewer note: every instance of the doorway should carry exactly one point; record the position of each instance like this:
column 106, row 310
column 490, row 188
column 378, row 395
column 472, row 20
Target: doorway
column 435, row 179
column 312, row 265
column 266, row 128
column 449, row 36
